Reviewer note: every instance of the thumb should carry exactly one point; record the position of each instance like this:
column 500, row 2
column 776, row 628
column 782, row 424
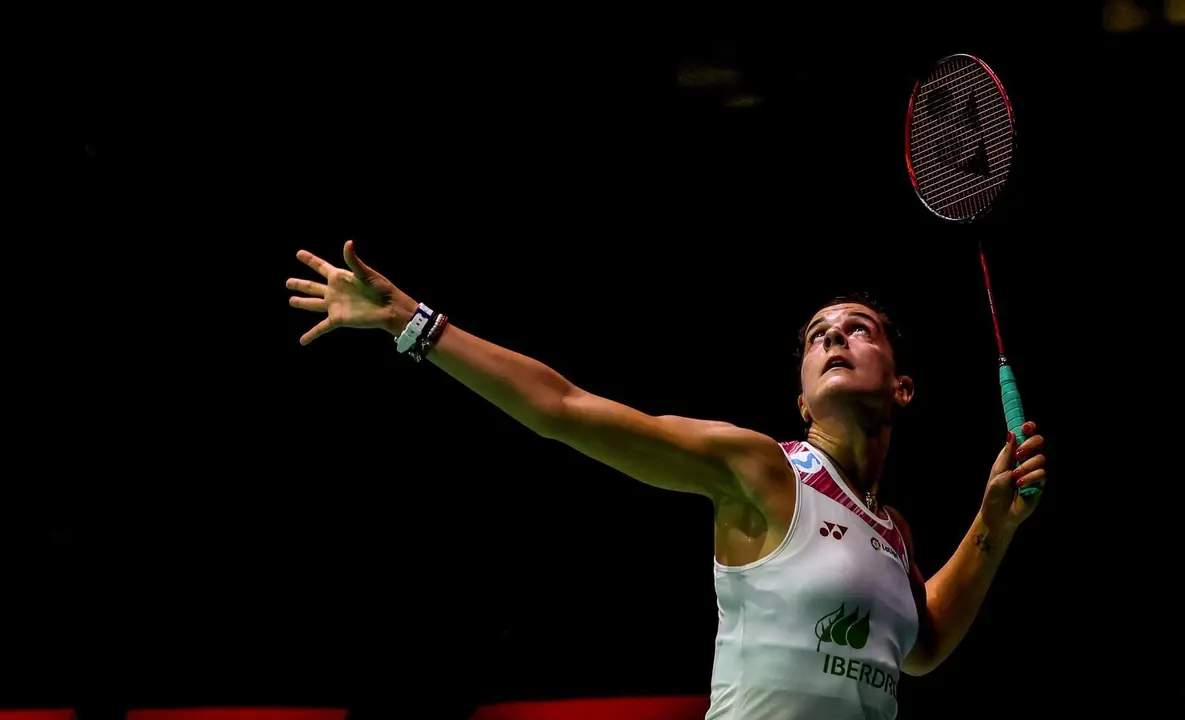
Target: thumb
column 360, row 269
column 1004, row 460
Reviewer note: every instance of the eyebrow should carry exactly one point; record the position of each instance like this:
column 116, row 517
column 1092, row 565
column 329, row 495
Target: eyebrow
column 857, row 313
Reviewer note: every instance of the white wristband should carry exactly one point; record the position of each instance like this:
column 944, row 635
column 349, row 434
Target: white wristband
column 412, row 331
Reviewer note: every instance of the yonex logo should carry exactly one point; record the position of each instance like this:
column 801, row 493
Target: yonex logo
column 806, row 463
column 834, row 530
column 840, row 629
column 940, row 103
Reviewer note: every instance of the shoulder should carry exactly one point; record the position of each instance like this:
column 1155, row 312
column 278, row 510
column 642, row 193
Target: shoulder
column 723, row 438
column 754, row 457
column 759, row 464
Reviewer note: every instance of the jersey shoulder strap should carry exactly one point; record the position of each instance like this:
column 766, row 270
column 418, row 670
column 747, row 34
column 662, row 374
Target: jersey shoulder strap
column 802, row 458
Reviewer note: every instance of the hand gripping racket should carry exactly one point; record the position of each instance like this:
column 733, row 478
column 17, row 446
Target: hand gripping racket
column 959, row 138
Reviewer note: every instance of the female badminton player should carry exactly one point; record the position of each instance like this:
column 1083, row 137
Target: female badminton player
column 822, row 607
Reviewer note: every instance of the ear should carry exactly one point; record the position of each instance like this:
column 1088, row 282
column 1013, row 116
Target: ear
column 803, row 411
column 903, row 393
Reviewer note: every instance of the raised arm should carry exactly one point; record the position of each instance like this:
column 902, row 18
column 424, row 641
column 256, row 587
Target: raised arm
column 949, row 601
column 714, row 459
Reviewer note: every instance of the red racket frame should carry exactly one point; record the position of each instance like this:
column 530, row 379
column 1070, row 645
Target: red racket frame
column 909, row 123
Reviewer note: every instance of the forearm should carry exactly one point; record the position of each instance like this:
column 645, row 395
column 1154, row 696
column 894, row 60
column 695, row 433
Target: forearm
column 956, row 592
column 669, row 452
column 525, row 389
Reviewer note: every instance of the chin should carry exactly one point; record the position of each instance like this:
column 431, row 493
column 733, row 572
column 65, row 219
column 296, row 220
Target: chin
column 836, row 382
column 844, row 390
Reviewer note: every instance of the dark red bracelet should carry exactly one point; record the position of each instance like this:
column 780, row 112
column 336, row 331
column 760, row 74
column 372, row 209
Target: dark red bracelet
column 434, row 335
column 427, row 340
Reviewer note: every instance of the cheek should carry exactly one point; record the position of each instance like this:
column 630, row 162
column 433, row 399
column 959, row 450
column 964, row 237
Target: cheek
column 878, row 364
column 808, row 383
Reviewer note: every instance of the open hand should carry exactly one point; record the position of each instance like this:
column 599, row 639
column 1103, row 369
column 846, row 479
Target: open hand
column 356, row 298
column 1004, row 508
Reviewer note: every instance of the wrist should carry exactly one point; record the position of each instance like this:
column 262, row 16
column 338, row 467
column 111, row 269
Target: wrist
column 398, row 317
column 999, row 534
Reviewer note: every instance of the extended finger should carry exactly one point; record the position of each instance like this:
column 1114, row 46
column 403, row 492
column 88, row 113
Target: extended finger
column 1033, row 479
column 1004, row 459
column 307, row 286
column 316, row 263
column 360, row 269
column 312, row 304
column 1031, row 446
column 322, row 328
column 1028, row 466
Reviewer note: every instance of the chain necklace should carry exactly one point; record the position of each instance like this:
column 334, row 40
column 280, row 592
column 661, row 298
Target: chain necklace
column 869, row 496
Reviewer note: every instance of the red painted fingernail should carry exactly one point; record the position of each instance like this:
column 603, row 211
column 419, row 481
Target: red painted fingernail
column 1029, row 428
column 1016, row 475
column 1011, row 437
column 1019, row 454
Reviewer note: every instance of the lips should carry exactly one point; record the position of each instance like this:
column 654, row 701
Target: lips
column 836, row 361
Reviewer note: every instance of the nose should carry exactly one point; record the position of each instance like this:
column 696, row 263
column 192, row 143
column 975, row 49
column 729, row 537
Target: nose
column 834, row 336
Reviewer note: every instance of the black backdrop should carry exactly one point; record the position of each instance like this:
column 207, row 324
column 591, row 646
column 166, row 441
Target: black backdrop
column 205, row 512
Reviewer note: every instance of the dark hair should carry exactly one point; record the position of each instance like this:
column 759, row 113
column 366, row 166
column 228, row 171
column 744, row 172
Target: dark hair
column 892, row 332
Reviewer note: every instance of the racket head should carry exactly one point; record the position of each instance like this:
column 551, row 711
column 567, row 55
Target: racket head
column 960, row 134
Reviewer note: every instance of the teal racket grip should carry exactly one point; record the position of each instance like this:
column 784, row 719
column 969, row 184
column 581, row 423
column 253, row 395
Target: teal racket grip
column 1014, row 412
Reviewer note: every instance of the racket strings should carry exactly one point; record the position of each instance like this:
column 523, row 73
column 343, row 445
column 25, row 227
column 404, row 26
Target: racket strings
column 965, row 76
column 994, row 131
column 949, row 184
column 994, row 127
column 952, row 175
column 958, row 84
column 951, row 132
column 960, row 138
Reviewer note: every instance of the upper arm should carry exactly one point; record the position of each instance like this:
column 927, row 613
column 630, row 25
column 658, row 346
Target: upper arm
column 917, row 662
column 714, row 459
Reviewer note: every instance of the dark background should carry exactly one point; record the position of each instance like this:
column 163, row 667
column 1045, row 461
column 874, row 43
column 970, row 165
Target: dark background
column 203, row 512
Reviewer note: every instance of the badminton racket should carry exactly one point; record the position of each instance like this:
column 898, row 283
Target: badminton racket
column 960, row 135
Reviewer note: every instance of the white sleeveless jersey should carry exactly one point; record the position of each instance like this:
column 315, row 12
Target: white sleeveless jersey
column 818, row 628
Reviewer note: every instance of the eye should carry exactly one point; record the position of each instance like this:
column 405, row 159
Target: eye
column 860, row 328
column 816, row 335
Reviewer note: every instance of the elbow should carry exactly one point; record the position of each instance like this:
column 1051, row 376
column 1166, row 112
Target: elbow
column 552, row 416
column 922, row 660
column 917, row 667
column 926, row 653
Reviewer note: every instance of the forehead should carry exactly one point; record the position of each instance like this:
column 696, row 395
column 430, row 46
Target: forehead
column 837, row 313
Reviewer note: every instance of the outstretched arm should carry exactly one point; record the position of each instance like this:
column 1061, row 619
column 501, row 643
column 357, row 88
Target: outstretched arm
column 949, row 601
column 714, row 459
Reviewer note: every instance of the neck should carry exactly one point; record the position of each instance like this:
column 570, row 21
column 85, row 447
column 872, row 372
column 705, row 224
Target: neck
column 858, row 449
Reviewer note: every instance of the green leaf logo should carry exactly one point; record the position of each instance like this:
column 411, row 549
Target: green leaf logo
column 851, row 629
column 858, row 632
column 839, row 629
column 823, row 627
